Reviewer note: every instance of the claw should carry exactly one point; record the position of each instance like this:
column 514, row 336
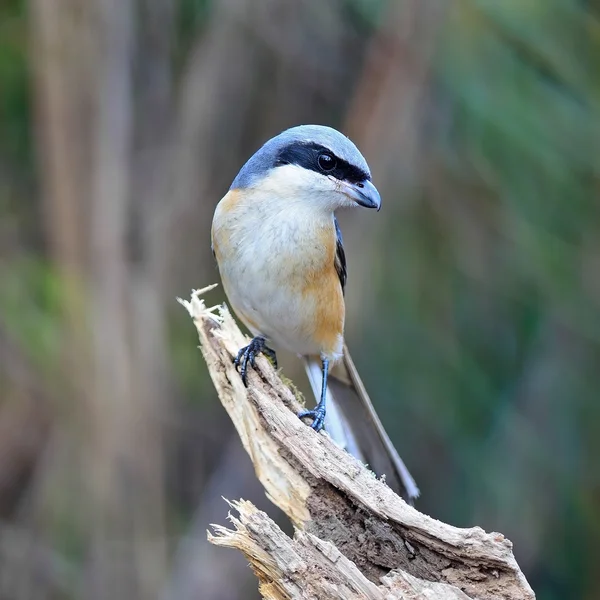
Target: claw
column 317, row 415
column 249, row 353
column 270, row 353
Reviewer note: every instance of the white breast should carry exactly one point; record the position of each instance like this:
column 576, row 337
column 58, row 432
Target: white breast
column 266, row 248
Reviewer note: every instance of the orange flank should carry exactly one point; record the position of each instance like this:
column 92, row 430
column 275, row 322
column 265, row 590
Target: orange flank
column 325, row 290
column 228, row 203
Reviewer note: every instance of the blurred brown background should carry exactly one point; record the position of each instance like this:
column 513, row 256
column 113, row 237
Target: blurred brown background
column 474, row 296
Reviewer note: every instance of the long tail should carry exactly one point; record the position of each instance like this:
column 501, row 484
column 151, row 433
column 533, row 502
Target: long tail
column 354, row 425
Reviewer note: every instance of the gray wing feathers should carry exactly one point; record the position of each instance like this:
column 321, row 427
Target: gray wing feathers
column 340, row 256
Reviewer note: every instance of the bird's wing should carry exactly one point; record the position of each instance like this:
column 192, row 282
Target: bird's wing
column 353, row 424
column 340, row 256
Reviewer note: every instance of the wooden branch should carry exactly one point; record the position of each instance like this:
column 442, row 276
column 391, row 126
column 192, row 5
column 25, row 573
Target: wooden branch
column 354, row 537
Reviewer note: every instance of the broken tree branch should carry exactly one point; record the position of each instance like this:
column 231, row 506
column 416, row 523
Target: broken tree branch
column 354, row 538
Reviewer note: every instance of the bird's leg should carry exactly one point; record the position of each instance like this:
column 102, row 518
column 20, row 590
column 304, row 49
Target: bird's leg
column 318, row 413
column 249, row 353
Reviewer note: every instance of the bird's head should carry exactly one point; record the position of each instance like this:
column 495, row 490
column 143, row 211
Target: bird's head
column 311, row 164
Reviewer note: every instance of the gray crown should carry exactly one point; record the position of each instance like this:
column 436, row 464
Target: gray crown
column 263, row 160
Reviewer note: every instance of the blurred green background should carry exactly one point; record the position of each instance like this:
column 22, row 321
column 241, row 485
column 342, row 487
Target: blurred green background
column 473, row 297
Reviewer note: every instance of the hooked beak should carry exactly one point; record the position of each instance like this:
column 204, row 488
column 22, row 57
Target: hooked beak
column 364, row 193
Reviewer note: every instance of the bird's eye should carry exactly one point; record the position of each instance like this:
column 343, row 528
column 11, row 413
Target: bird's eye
column 327, row 162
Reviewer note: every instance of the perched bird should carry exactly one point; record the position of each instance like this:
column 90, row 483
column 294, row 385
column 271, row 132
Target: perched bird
column 281, row 259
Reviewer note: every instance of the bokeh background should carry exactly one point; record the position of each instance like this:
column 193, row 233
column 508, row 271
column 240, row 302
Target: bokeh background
column 473, row 296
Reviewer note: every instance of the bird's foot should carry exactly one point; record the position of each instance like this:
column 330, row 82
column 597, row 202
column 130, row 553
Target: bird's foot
column 249, row 353
column 317, row 415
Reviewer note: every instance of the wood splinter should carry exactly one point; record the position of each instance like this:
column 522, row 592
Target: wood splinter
column 355, row 538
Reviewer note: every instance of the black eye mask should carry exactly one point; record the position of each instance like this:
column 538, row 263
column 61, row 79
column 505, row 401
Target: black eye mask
column 309, row 156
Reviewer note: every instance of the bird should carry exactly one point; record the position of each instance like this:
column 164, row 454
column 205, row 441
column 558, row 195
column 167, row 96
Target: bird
column 280, row 256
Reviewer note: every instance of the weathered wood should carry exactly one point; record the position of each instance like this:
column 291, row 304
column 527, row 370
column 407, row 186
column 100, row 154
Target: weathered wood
column 308, row 567
column 348, row 522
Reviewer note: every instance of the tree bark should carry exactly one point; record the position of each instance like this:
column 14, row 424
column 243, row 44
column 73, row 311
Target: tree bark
column 354, row 537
